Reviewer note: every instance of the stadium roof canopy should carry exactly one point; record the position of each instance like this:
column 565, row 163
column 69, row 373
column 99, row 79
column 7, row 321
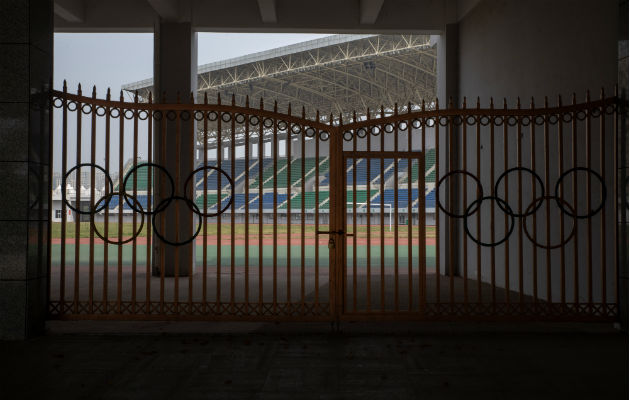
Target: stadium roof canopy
column 337, row 74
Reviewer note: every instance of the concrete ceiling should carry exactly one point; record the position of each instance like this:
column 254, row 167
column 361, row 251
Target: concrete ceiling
column 322, row 16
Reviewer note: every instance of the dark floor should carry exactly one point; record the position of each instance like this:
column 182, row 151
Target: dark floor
column 310, row 361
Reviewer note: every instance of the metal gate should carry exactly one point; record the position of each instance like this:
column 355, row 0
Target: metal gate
column 224, row 211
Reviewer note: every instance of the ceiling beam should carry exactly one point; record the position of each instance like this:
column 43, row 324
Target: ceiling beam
column 168, row 10
column 268, row 11
column 70, row 10
column 369, row 11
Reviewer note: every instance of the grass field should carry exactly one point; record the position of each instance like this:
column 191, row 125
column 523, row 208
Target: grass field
column 239, row 230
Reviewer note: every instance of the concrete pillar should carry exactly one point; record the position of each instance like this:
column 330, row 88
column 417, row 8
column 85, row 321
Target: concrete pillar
column 175, row 72
column 448, row 88
column 26, row 45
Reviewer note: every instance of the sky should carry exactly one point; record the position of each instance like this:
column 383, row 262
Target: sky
column 114, row 59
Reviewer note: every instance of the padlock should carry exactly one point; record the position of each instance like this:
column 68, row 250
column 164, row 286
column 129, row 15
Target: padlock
column 331, row 243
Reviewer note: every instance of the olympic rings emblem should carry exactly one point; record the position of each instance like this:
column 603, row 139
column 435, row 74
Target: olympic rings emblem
column 134, row 203
column 532, row 208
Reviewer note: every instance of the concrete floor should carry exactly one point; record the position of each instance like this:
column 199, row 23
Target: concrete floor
column 121, row 360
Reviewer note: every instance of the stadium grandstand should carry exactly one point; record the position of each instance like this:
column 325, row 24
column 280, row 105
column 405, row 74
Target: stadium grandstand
column 338, row 75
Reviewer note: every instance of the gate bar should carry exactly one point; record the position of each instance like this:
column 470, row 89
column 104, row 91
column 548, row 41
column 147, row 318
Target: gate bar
column 77, row 205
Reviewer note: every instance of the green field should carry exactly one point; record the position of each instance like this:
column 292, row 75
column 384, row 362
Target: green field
column 141, row 252
column 239, row 230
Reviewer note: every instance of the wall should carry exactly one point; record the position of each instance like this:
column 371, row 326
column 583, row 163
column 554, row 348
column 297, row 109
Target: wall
column 536, row 49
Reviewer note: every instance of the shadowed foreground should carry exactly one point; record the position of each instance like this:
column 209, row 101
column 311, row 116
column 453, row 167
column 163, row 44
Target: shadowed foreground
column 309, row 361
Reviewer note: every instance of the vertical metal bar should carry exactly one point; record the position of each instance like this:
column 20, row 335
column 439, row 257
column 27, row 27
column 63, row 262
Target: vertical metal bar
column 478, row 160
column 303, row 205
column 465, row 198
column 275, row 210
column 204, row 283
column 422, row 218
column 287, row 144
column 106, row 222
column 532, row 125
column 64, row 184
column 149, row 203
column 134, row 245
column 232, row 216
column 121, row 140
column 519, row 163
column 451, row 201
column 219, row 139
column 50, row 187
column 178, row 149
column 436, row 124
column 409, row 214
column 92, row 200
column 574, row 141
column 589, row 244
column 247, row 207
column 602, row 164
column 77, row 205
column 382, row 189
column 369, row 218
column 261, row 154
column 192, row 132
column 316, row 138
column 506, row 191
column 396, row 290
column 354, row 216
column 563, row 298
column 616, row 196
column 492, row 231
column 162, row 192
column 547, row 206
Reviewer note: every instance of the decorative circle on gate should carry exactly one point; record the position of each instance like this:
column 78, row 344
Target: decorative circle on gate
column 479, row 192
column 127, row 195
column 310, row 131
column 220, row 210
column 475, row 205
column 389, row 128
column 323, row 136
column 574, row 214
column 296, row 129
column 347, row 136
column 534, row 174
column 191, row 204
column 529, row 236
column 240, row 118
column 282, row 125
column 63, row 185
column 361, row 133
column 107, row 198
column 254, row 120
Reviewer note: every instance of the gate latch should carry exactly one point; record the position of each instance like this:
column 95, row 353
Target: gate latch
column 331, row 243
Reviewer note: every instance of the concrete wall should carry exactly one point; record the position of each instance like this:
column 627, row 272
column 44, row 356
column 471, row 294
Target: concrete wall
column 540, row 48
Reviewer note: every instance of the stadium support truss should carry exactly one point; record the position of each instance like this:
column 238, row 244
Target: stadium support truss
column 336, row 75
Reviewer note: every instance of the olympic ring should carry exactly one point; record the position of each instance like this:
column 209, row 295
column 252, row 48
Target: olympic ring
column 479, row 191
column 195, row 210
column 132, row 170
column 550, row 247
column 496, row 188
column 575, row 214
column 63, row 184
column 107, row 199
column 478, row 204
column 219, row 170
